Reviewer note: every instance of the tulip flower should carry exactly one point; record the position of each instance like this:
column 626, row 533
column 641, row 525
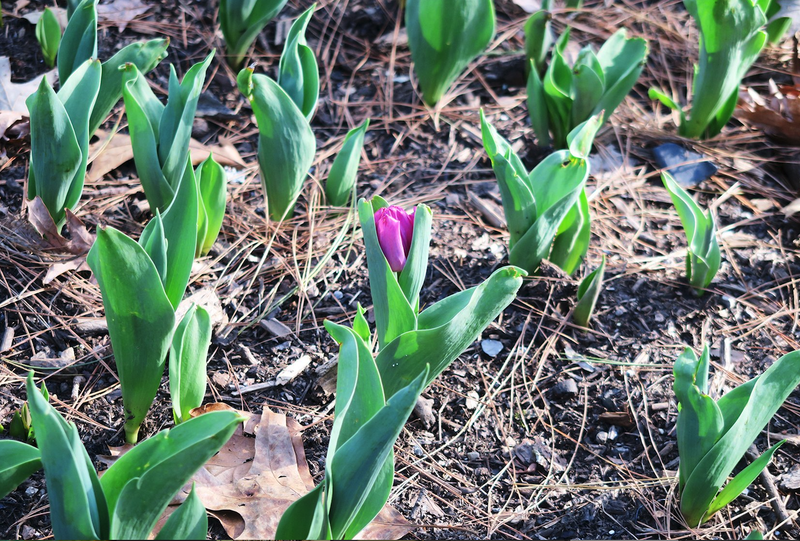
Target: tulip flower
column 395, row 228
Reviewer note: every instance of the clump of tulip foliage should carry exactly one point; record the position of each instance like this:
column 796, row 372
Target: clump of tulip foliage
column 377, row 390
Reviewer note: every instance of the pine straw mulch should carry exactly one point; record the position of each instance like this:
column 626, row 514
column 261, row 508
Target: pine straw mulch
column 564, row 433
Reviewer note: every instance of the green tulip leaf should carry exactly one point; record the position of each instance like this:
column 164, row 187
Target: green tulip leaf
column 187, row 362
column 145, row 55
column 286, row 144
column 342, row 176
column 77, row 505
column 48, row 34
column 189, row 521
column 444, row 37
column 18, row 461
column 445, row 330
column 588, row 292
column 79, row 42
column 142, row 482
column 241, row 21
column 140, row 320
column 213, row 186
column 298, row 74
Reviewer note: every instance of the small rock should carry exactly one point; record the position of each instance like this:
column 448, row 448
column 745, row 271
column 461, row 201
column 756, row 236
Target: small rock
column 418, row 451
column 114, row 395
column 601, row 437
column 613, row 432
column 275, row 327
column 567, row 388
column 791, row 479
column 31, row 491
column 674, row 159
column 338, row 295
column 424, row 411
column 29, row 533
column 658, row 317
column 473, row 399
column 491, row 347
column 473, row 455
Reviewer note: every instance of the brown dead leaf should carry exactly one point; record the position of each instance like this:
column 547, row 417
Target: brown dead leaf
column 106, row 155
column 121, row 12
column 79, row 243
column 777, row 115
column 249, row 484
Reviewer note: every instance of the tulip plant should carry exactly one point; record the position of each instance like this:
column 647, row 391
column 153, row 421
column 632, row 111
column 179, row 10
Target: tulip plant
column 286, row 144
column 241, row 21
column 134, row 492
column 160, row 133
column 60, row 139
column 62, row 123
column 376, row 394
column 142, row 284
column 731, row 38
column 444, row 37
column 48, row 34
column 342, row 177
column 713, row 436
column 703, row 255
column 568, row 96
column 547, row 210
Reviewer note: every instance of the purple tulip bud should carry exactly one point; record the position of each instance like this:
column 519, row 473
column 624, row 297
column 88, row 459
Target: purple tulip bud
column 395, row 229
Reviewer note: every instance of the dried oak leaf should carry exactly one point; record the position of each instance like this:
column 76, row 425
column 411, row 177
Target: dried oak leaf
column 110, row 152
column 777, row 115
column 260, row 471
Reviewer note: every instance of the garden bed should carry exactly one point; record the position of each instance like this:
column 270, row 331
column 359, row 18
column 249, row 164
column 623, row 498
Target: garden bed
column 540, row 429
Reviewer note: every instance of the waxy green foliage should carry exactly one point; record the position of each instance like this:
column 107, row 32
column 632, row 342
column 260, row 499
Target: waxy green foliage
column 731, row 38
column 160, row 133
column 375, row 395
column 134, row 492
column 18, row 461
column 212, row 184
column 539, row 37
column 63, row 123
column 142, row 285
column 79, row 42
column 703, row 255
column 588, row 291
column 444, row 36
column 567, row 96
column 713, row 436
column 60, row 139
column 286, row 144
column 241, row 21
column 187, row 362
column 140, row 319
column 298, row 74
column 777, row 26
column 410, row 340
column 359, row 468
column 546, row 210
column 48, row 34
column 342, row 176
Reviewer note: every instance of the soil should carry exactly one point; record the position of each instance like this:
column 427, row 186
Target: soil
column 563, row 433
